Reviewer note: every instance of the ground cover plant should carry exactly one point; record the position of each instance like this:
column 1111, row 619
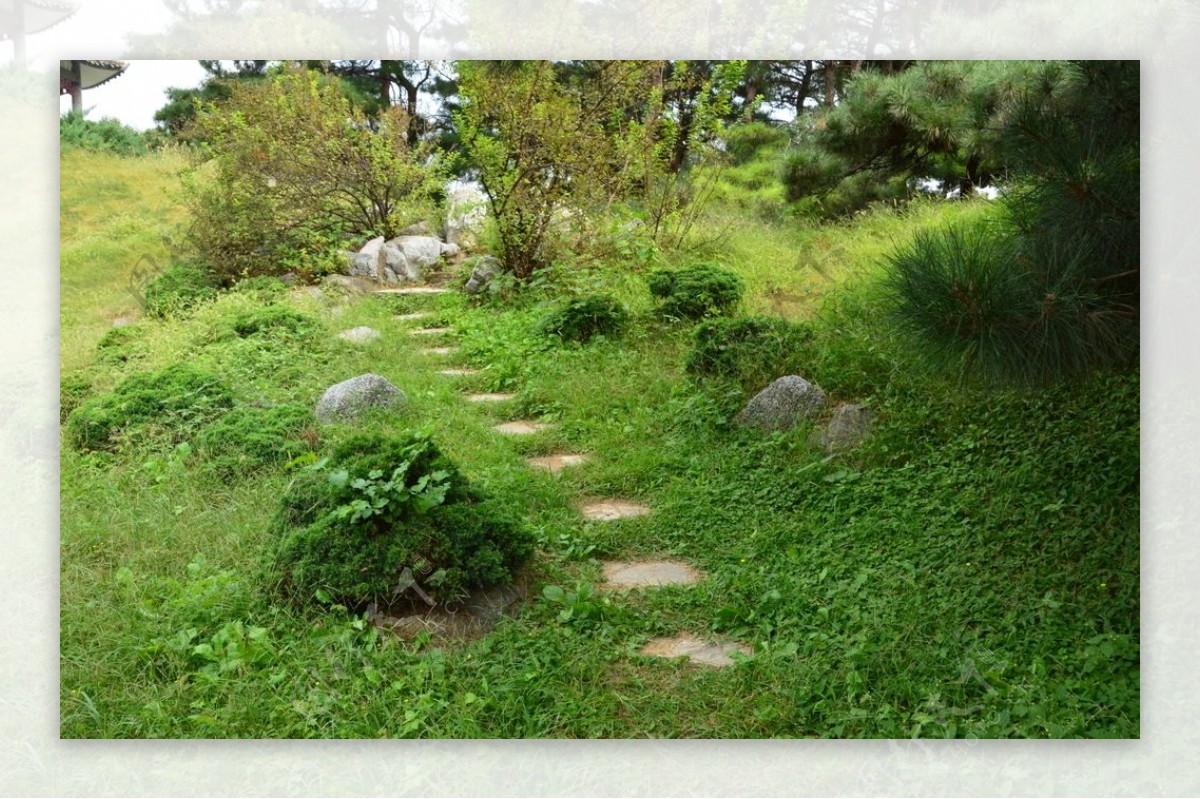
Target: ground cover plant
column 970, row 570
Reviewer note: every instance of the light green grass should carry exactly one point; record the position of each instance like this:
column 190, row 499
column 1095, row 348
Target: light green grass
column 973, row 570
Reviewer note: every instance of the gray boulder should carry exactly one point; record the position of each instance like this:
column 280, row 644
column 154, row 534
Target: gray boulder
column 847, row 427
column 782, row 404
column 350, row 399
column 408, row 257
column 484, row 268
column 421, row 228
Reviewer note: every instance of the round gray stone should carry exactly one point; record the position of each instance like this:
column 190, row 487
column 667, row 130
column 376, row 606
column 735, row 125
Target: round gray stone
column 350, row 399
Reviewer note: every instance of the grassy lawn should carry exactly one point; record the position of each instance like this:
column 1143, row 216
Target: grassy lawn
column 972, row 570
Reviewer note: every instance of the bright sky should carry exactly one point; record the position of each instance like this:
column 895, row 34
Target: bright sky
column 99, row 30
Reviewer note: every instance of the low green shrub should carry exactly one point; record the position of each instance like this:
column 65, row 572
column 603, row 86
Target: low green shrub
column 384, row 516
column 272, row 319
column 106, row 135
column 178, row 399
column 696, row 291
column 249, row 438
column 178, row 289
column 747, row 140
column 752, row 351
column 120, row 345
column 73, row 389
column 265, row 288
column 583, row 318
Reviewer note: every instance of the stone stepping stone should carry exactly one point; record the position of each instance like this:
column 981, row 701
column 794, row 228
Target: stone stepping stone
column 706, row 653
column 412, row 317
column 412, row 290
column 359, row 335
column 438, row 350
column 459, row 372
column 521, row 428
column 608, row 510
column 649, row 574
column 492, row 397
column 431, row 331
column 556, row 463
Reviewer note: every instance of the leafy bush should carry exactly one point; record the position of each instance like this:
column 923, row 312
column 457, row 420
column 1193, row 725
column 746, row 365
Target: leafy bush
column 248, row 438
column 752, row 351
column 73, row 389
column 585, row 317
column 177, row 399
column 119, row 345
column 272, row 319
column 178, row 289
column 266, row 288
column 695, row 291
column 385, row 515
column 107, row 135
column 298, row 170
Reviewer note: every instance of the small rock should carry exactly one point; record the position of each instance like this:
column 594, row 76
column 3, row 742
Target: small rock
column 556, row 463
column 847, row 427
column 782, row 404
column 484, row 269
column 351, row 398
column 649, row 574
column 695, row 650
column 521, row 428
column 359, row 335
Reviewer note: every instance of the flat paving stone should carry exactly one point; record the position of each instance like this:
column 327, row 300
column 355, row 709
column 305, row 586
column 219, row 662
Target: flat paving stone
column 649, row 574
column 608, row 510
column 438, row 350
column 359, row 335
column 706, row 653
column 431, row 331
column 521, row 428
column 412, row 317
column 458, row 372
column 493, row 397
column 556, row 463
column 414, row 290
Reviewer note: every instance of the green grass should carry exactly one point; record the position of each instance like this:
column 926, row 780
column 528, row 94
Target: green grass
column 971, row 571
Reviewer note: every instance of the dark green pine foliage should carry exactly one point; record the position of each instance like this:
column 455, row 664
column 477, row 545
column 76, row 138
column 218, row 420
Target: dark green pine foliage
column 1050, row 288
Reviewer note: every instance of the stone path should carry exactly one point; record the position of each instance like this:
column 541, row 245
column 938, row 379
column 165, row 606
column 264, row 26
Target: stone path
column 619, row 576
column 413, row 290
column 359, row 335
column 607, row 510
column 521, row 428
column 556, row 463
column 626, row 575
column 705, row 653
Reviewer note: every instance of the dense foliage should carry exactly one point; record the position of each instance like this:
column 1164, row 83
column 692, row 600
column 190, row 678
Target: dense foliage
column 248, row 438
column 695, row 291
column 173, row 400
column 387, row 514
column 107, row 135
column 179, row 289
column 1051, row 287
column 297, row 172
column 583, row 318
column 752, row 350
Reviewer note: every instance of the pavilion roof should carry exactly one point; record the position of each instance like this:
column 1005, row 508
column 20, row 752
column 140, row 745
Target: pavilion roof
column 94, row 73
column 39, row 15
